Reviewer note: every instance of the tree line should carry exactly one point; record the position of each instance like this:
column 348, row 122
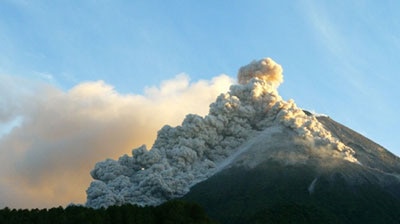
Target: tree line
column 168, row 213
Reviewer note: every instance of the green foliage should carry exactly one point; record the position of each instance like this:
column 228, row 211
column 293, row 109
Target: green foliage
column 170, row 212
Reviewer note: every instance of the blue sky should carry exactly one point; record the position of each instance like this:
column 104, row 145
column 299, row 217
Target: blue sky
column 340, row 58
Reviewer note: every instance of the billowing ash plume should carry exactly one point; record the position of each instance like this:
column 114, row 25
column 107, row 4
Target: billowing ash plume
column 185, row 155
column 265, row 69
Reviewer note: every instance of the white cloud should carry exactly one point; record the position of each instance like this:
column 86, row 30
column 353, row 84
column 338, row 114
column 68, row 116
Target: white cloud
column 46, row 159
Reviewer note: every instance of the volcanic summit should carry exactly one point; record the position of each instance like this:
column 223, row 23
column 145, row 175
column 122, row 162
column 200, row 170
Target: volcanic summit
column 253, row 156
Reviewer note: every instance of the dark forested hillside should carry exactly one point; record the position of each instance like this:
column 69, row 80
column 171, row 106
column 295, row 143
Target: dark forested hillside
column 167, row 213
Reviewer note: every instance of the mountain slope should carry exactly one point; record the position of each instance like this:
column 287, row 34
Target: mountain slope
column 305, row 187
column 368, row 152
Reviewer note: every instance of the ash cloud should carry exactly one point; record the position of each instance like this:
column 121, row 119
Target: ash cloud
column 193, row 151
column 55, row 137
column 265, row 69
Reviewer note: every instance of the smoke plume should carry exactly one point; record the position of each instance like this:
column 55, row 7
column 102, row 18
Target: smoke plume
column 53, row 138
column 265, row 69
column 193, row 151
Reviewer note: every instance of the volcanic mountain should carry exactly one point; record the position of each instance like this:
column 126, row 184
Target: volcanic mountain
column 256, row 158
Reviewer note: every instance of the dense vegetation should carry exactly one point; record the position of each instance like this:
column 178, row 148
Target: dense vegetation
column 168, row 213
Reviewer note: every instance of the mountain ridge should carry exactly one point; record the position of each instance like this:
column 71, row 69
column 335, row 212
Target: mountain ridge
column 337, row 128
column 335, row 190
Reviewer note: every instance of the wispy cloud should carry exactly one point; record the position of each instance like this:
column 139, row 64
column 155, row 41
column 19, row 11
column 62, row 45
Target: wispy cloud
column 338, row 38
column 325, row 30
column 357, row 41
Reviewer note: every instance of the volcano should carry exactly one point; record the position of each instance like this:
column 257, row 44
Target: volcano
column 256, row 158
